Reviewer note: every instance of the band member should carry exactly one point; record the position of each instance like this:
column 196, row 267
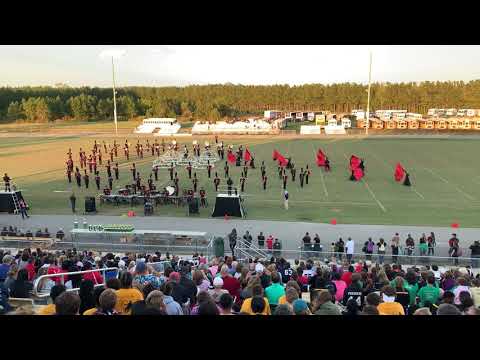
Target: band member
column 285, row 178
column 352, row 177
column 105, row 147
column 155, row 172
column 157, row 148
column 245, row 171
column 80, row 153
column 222, row 152
column 307, row 174
column 226, row 168
column 238, row 162
column 280, row 172
column 69, row 175
column 86, row 179
column 407, row 182
column 141, row 151
column 110, row 182
column 133, row 169
column 100, row 157
column 263, row 168
column 97, row 180
column 163, row 145
column 185, row 151
column 139, row 181
column 78, row 177
column 203, row 200
column 189, row 169
column 127, row 152
column 109, row 169
column 111, row 155
column 175, row 182
column 195, row 182
column 94, row 162
column 170, row 170
column 229, row 185
column 95, row 146
column 115, row 169
column 6, row 180
column 90, row 163
column 242, row 184
column 209, row 169
column 264, row 182
column 137, row 148
column 327, row 164
column 302, row 177
column 240, row 151
column 293, row 171
column 216, row 139
column 252, row 163
column 362, row 166
column 150, row 183
column 69, row 153
column 216, row 182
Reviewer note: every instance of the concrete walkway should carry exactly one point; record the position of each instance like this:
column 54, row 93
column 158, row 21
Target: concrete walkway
column 289, row 233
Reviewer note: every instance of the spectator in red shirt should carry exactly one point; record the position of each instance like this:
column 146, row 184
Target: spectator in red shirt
column 347, row 276
column 230, row 283
column 30, row 269
column 270, row 242
column 94, row 277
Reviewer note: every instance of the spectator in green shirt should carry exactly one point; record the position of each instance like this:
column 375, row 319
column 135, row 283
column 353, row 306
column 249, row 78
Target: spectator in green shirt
column 429, row 294
column 274, row 291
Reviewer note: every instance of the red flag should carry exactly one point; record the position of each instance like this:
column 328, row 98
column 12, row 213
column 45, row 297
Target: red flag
column 358, row 173
column 281, row 160
column 231, row 157
column 247, row 156
column 321, row 158
column 333, row 222
column 354, row 162
column 399, row 172
column 455, row 225
column 275, row 154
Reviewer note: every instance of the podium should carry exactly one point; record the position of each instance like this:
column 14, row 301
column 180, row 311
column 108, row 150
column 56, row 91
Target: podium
column 228, row 204
column 9, row 201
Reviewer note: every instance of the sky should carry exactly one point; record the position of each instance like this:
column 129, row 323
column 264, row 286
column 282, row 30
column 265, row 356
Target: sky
column 181, row 65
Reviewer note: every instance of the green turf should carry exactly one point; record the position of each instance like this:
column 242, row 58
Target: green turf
column 446, row 182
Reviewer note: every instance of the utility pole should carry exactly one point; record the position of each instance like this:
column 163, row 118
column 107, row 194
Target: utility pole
column 368, row 97
column 114, row 100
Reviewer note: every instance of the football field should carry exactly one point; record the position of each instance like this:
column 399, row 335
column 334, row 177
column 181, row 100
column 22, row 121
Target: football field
column 444, row 174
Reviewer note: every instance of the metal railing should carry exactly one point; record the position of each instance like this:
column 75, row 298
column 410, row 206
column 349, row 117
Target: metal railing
column 39, row 281
column 381, row 258
column 251, row 249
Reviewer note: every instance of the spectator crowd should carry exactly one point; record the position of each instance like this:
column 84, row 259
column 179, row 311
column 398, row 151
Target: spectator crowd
column 156, row 284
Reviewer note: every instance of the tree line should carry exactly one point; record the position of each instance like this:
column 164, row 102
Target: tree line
column 214, row 102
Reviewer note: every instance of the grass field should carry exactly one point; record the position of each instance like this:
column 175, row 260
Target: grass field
column 444, row 174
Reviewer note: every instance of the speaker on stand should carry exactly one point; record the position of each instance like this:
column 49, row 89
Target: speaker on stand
column 90, row 206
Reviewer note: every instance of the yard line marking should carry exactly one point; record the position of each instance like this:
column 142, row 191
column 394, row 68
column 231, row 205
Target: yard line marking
column 447, row 182
column 321, row 174
column 416, row 192
column 374, row 197
column 313, row 202
column 370, row 191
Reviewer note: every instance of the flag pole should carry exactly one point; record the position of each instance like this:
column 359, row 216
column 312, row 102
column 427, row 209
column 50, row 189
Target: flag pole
column 368, row 97
column 114, row 100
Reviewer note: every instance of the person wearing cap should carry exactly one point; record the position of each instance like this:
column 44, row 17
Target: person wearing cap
column 185, row 290
column 322, row 303
column 300, row 307
column 217, row 290
column 143, row 276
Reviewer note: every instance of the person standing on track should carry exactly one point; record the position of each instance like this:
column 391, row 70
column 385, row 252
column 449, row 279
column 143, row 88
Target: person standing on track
column 86, row 179
column 97, row 180
column 115, row 169
column 226, row 168
column 285, row 199
column 72, row 201
column 307, row 174
column 189, row 169
column 216, row 182
column 264, row 182
column 133, row 169
column 302, row 177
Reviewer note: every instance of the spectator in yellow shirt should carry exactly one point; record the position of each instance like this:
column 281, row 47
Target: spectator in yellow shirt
column 257, row 290
column 49, row 309
column 389, row 306
column 126, row 295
